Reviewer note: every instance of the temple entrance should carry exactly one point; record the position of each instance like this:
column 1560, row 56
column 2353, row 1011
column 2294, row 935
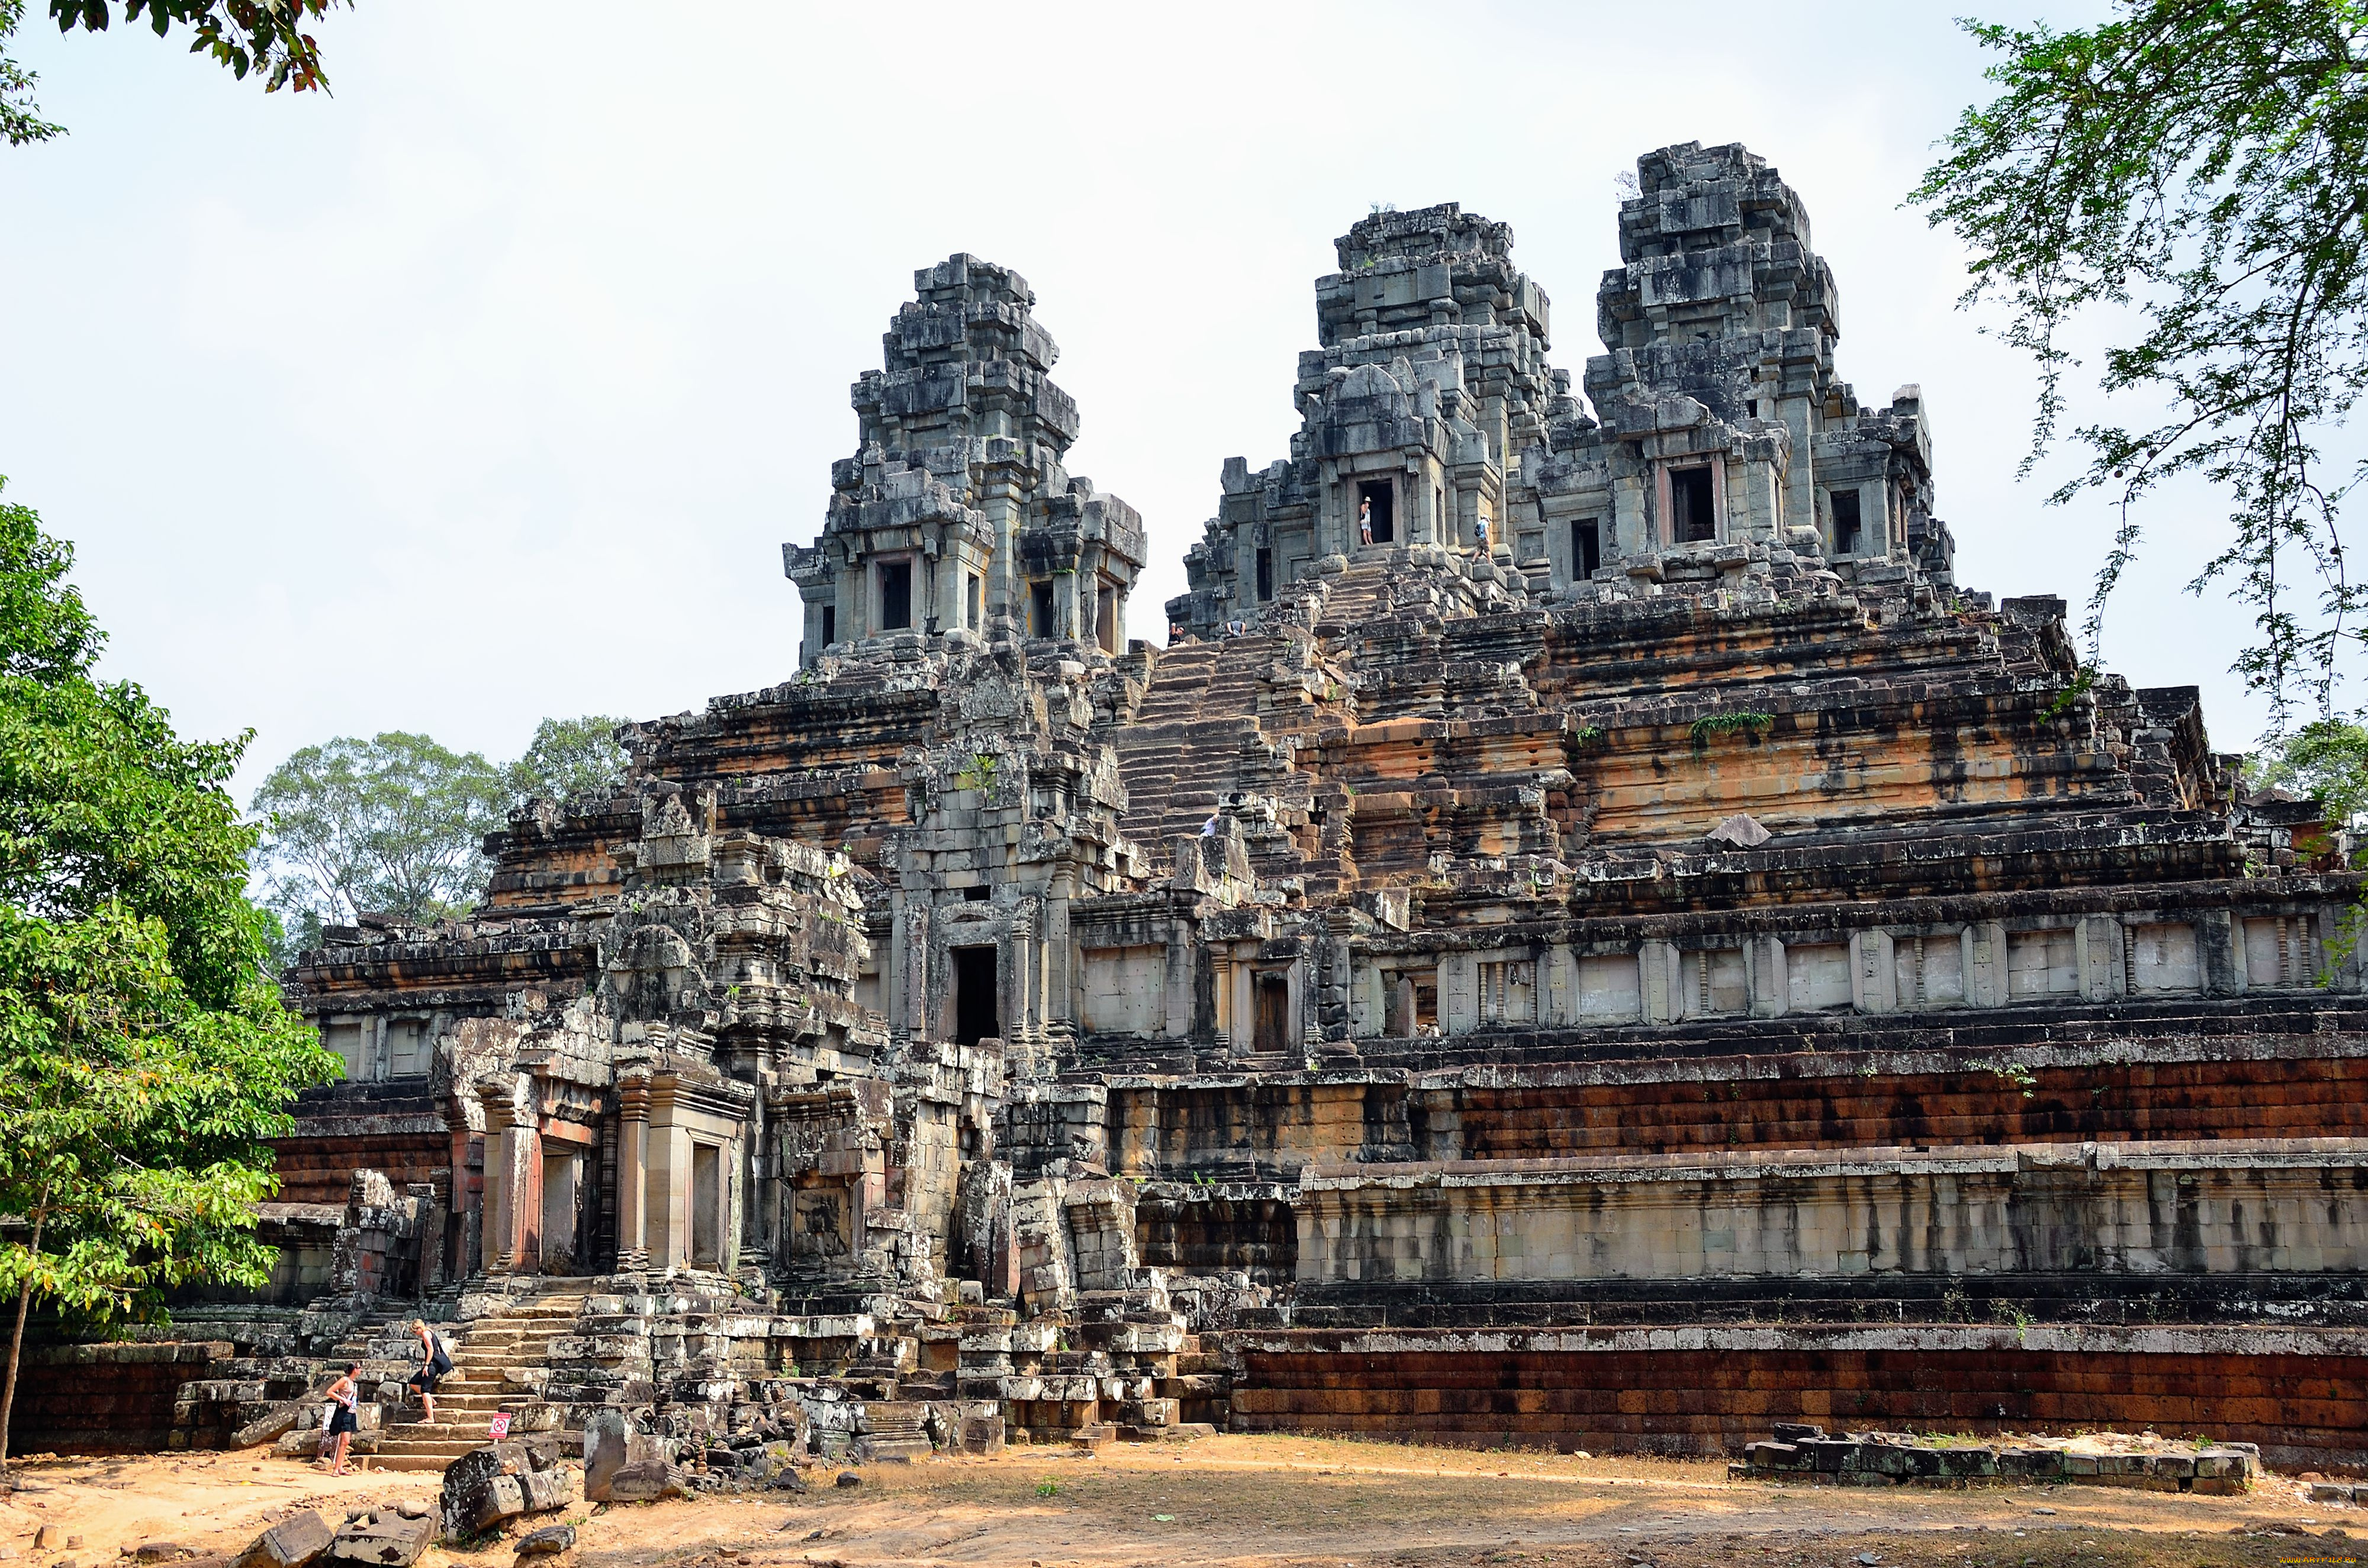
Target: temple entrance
column 562, row 1189
column 1383, row 497
column 978, row 1012
column 706, row 1205
column 1273, row 1032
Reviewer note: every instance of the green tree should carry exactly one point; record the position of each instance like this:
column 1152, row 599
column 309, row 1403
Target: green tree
column 2327, row 760
column 265, row 37
column 146, row 1054
column 2204, row 164
column 394, row 824
column 569, row 758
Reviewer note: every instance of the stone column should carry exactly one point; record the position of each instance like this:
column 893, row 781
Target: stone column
column 666, row 1211
column 757, row 1166
column 633, row 1173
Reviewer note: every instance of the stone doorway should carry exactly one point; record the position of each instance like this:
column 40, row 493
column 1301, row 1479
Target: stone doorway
column 978, row 1014
column 1384, row 496
column 1273, row 1032
column 706, row 1205
column 563, row 1187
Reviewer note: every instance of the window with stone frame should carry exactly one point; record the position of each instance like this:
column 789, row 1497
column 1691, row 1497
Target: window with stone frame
column 1849, row 528
column 895, row 594
column 1039, row 609
column 974, row 603
column 1694, row 505
column 1586, row 548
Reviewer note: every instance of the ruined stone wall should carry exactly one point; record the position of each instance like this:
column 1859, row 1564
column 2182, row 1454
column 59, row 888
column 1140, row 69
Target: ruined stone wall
column 2294, row 1392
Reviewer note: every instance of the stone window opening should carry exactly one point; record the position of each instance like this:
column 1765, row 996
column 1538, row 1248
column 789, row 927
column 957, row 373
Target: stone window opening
column 978, row 1011
column 1751, row 408
column 1039, row 609
column 895, row 594
column 1693, row 511
column 1264, row 575
column 1383, row 498
column 976, row 894
column 1106, row 616
column 1586, row 548
column 829, row 625
column 1847, row 526
column 975, row 602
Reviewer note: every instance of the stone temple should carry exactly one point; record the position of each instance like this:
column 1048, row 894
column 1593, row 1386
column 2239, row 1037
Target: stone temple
column 1586, row 935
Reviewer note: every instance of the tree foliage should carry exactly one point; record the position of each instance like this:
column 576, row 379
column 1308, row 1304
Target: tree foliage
column 263, row 37
column 395, row 824
column 145, row 1053
column 569, row 758
column 2204, row 162
column 2327, row 760
column 20, row 119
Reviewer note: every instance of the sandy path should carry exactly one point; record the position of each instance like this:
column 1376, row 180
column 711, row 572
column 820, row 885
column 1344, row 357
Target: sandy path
column 1253, row 1502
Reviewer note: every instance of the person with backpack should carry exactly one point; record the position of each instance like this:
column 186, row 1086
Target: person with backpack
column 435, row 1361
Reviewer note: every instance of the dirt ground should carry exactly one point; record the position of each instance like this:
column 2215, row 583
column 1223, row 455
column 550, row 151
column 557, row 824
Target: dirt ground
column 1256, row 1502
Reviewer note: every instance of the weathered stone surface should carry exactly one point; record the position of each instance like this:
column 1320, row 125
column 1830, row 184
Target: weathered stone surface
column 382, row 1539
column 1582, row 866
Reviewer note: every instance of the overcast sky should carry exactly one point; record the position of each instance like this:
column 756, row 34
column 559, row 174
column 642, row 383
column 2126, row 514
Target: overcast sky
column 490, row 387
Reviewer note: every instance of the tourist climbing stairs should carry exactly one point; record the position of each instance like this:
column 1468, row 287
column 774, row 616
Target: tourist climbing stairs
column 495, row 1369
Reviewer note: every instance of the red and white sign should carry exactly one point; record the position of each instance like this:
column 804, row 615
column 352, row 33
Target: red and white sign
column 500, row 1428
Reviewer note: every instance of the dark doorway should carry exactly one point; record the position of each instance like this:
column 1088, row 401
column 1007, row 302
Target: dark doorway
column 1846, row 520
column 1265, row 575
column 1273, row 1013
column 706, row 1205
column 1586, row 548
column 1384, row 496
column 1692, row 518
column 829, row 625
column 1039, row 609
column 1106, row 616
column 978, row 1012
column 895, row 594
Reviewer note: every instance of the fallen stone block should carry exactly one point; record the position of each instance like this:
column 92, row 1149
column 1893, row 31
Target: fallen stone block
column 294, row 1542
column 2329, row 1491
column 382, row 1539
column 646, row 1480
column 501, row 1481
column 547, row 1541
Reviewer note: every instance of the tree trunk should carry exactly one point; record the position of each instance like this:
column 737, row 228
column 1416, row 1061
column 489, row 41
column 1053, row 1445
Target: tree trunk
column 16, row 1342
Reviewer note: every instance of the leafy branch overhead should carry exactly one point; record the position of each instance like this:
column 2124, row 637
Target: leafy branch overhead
column 262, row 37
column 2204, row 162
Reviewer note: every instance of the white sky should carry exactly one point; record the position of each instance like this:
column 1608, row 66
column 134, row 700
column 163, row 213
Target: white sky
column 490, row 387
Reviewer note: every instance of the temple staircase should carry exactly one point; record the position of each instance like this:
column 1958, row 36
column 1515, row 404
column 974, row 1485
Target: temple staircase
column 494, row 1370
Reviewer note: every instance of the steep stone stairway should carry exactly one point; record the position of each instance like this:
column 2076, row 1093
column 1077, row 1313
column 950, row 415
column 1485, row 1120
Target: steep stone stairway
column 484, row 1381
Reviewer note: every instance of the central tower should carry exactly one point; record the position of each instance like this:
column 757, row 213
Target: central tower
column 955, row 512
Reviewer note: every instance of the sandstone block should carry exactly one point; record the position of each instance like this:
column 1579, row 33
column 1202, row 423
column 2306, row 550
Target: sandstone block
column 293, row 1542
column 382, row 1539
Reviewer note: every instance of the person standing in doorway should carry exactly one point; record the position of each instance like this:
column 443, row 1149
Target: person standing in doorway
column 1365, row 519
column 345, row 1418
column 434, row 1363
